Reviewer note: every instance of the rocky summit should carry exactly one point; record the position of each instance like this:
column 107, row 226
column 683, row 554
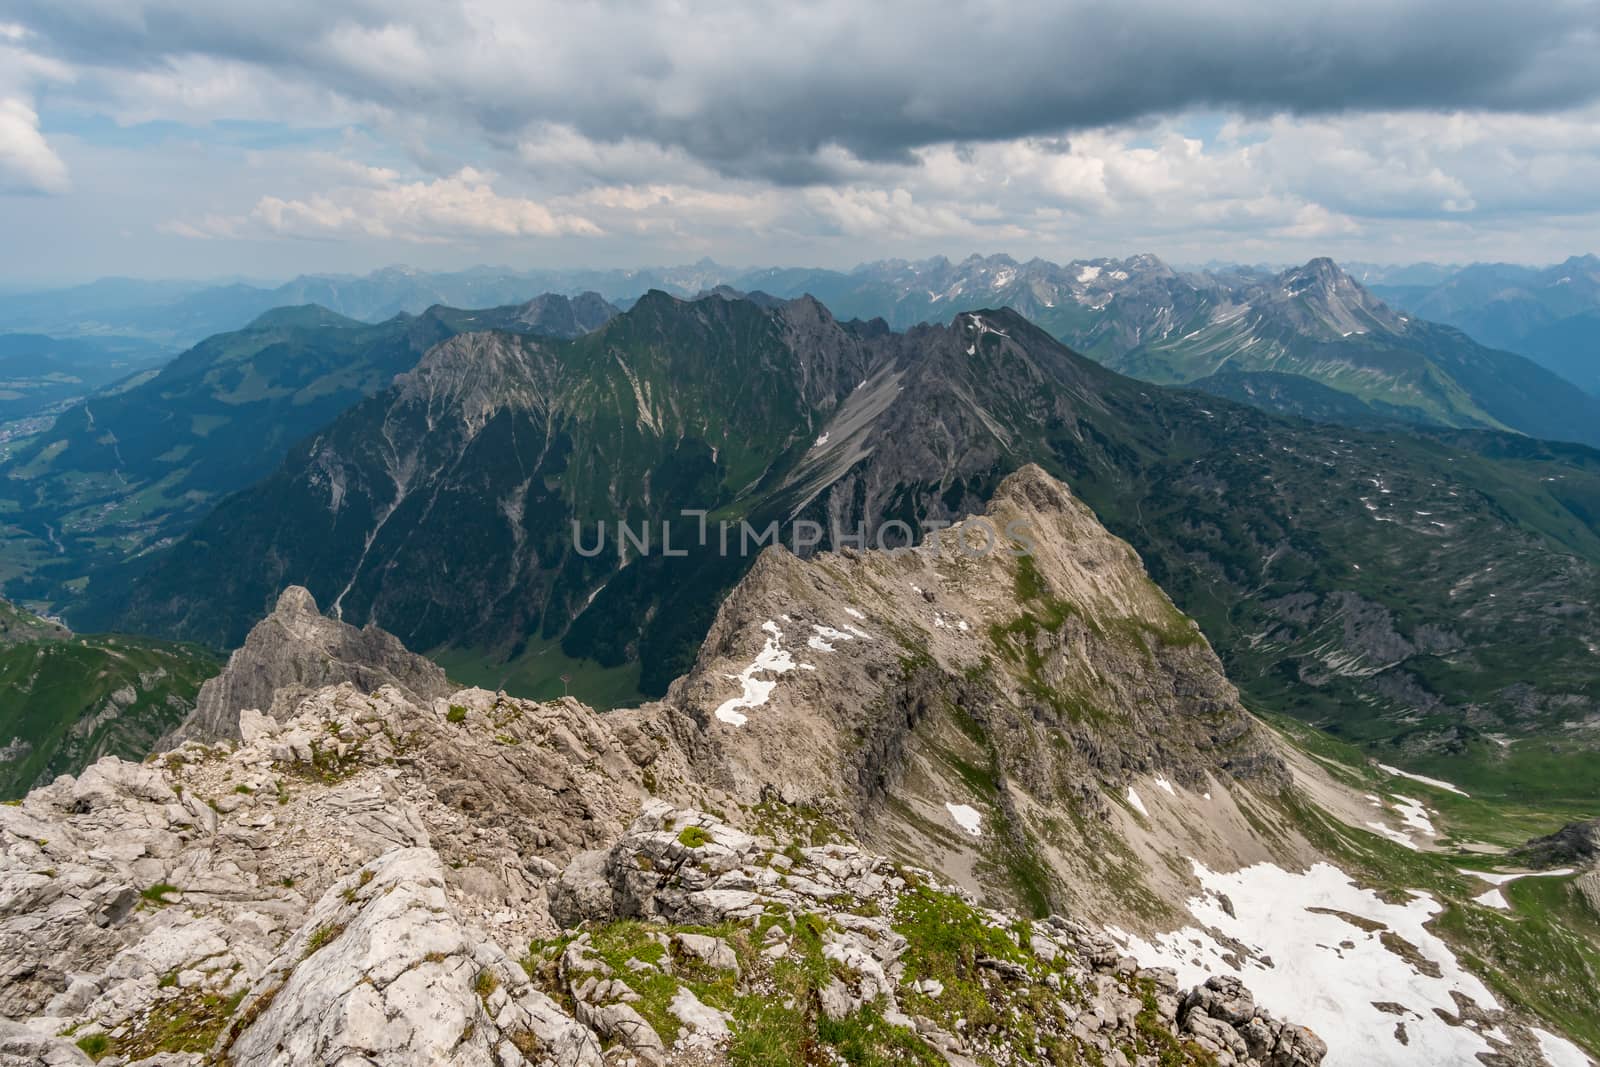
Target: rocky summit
column 929, row 806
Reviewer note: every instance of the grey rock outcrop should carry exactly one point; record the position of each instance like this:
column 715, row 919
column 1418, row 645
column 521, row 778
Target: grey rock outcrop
column 1027, row 642
column 1575, row 844
column 383, row 970
column 295, row 651
column 554, row 315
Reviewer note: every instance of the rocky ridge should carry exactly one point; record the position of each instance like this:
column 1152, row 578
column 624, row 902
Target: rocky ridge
column 1019, row 665
column 344, row 900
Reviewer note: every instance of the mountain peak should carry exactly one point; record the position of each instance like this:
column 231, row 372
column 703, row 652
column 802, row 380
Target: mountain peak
column 295, row 651
column 1324, row 301
column 1321, row 269
column 296, row 600
column 835, row 629
column 555, row 315
column 300, row 316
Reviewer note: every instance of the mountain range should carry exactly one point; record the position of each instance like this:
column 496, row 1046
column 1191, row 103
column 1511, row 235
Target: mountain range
column 1549, row 314
column 179, row 314
column 138, row 464
column 1429, row 594
column 966, row 701
column 1143, row 318
column 1138, row 315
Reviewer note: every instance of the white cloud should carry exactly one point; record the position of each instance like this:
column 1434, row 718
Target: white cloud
column 463, row 206
column 810, row 133
column 27, row 162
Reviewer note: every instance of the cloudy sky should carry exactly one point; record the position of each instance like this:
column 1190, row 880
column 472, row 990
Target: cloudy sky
column 190, row 138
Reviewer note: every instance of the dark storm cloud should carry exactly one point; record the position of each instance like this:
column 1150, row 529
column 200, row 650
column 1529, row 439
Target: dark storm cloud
column 759, row 88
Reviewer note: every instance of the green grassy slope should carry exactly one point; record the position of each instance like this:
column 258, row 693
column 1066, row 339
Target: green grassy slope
column 65, row 703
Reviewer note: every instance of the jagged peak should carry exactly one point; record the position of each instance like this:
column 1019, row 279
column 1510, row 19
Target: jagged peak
column 294, row 651
column 296, row 600
column 1321, row 268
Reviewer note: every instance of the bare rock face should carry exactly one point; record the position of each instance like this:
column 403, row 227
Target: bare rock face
column 1576, row 844
column 1032, row 617
column 384, row 969
column 944, row 700
column 295, row 651
column 196, row 866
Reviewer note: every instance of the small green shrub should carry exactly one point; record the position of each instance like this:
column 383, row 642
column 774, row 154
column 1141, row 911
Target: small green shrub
column 323, row 935
column 693, row 836
column 157, row 894
column 457, row 713
column 95, row 1046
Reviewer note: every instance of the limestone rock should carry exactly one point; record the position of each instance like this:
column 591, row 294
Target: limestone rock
column 383, row 970
column 293, row 652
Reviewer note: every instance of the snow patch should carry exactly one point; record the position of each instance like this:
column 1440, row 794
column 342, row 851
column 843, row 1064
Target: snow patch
column 1424, row 779
column 1558, row 1051
column 1384, row 830
column 823, row 637
column 1414, row 815
column 1138, row 805
column 1496, row 898
column 966, row 817
column 1311, row 953
column 1493, row 899
column 754, row 692
column 1164, row 784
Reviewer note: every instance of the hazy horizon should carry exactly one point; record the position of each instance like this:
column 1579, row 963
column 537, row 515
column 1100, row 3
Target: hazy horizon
column 274, row 281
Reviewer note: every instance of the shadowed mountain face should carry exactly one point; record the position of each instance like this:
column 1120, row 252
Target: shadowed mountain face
column 137, row 465
column 1422, row 591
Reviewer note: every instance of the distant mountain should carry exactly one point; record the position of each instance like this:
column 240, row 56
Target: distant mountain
column 1399, row 274
column 1551, row 315
column 1570, row 347
column 1145, row 319
column 137, row 465
column 1421, row 592
column 177, row 314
